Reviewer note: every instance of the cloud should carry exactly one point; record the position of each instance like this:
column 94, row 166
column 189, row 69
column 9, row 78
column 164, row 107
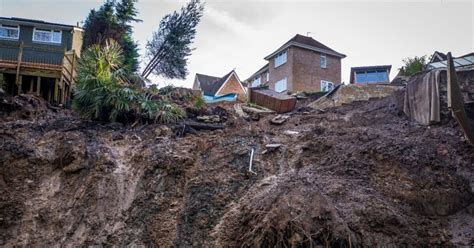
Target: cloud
column 226, row 21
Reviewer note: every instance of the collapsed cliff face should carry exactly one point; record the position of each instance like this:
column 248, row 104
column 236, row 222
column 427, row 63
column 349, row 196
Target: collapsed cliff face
column 357, row 175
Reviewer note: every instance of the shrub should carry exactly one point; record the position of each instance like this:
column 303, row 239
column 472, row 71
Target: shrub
column 103, row 92
column 199, row 103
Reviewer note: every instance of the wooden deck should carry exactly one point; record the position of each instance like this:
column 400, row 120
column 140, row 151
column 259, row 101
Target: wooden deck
column 63, row 71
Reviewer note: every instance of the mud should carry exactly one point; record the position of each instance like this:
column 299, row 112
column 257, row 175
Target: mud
column 359, row 175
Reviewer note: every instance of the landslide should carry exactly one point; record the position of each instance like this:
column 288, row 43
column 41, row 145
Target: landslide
column 359, row 175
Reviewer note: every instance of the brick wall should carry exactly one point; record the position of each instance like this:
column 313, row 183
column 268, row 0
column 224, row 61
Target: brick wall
column 233, row 86
column 303, row 71
column 282, row 71
column 307, row 71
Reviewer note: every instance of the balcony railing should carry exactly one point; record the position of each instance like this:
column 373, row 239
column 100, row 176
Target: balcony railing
column 20, row 56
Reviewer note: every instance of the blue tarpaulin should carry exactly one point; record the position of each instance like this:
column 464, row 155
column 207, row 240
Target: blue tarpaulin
column 213, row 99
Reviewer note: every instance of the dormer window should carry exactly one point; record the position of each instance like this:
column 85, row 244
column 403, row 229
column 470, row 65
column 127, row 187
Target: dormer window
column 47, row 36
column 9, row 32
column 280, row 59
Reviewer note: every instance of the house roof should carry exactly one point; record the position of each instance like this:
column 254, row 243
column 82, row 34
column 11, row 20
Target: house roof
column 36, row 23
column 369, row 68
column 263, row 69
column 210, row 85
column 306, row 42
column 206, row 82
column 465, row 60
column 438, row 56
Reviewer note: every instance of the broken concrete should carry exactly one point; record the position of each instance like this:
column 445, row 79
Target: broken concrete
column 345, row 94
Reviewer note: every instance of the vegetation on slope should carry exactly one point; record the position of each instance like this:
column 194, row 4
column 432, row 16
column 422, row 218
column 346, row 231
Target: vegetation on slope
column 104, row 93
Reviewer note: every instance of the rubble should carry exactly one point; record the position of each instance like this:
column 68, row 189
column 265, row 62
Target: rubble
column 279, row 119
column 346, row 94
column 358, row 175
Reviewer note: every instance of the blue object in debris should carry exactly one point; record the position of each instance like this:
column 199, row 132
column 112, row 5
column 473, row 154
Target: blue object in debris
column 213, row 99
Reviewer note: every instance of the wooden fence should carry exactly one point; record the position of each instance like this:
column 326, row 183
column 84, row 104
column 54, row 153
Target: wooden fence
column 281, row 103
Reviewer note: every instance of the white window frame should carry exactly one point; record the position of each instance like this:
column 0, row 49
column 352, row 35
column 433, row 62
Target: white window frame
column 281, row 58
column 10, row 27
column 46, row 31
column 326, row 86
column 325, row 59
column 284, row 83
column 256, row 82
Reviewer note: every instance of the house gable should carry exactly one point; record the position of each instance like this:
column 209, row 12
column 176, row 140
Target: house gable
column 196, row 85
column 232, row 84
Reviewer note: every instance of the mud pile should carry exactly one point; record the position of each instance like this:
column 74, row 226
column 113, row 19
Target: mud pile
column 359, row 175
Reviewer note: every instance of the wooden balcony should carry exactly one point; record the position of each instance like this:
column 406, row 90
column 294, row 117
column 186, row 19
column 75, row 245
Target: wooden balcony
column 41, row 63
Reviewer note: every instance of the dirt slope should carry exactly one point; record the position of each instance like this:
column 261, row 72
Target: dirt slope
column 359, row 175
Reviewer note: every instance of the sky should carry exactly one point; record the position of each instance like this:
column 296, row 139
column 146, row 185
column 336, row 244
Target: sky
column 238, row 34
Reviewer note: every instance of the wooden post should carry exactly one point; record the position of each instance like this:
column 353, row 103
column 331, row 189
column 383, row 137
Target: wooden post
column 56, row 90
column 63, row 85
column 49, row 94
column 32, row 82
column 73, row 66
column 19, row 83
column 18, row 65
column 38, row 86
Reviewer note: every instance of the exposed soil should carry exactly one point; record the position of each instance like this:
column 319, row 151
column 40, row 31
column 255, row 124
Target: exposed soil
column 359, row 175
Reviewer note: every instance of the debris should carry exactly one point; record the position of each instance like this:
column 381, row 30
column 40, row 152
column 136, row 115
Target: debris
column 279, row 119
column 209, row 118
column 345, row 94
column 203, row 126
column 260, row 110
column 239, row 111
column 289, row 132
column 251, row 161
column 319, row 188
column 456, row 102
column 272, row 146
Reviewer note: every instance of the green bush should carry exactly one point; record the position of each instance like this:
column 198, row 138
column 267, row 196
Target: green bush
column 199, row 103
column 103, row 92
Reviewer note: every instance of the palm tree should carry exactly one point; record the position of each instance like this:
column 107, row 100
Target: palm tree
column 103, row 91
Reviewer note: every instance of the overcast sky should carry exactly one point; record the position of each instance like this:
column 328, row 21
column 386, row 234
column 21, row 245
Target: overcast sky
column 240, row 33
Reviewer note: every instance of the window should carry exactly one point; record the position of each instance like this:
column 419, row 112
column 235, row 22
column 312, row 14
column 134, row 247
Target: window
column 326, row 86
column 48, row 36
column 9, row 32
column 323, row 61
column 256, row 82
column 281, row 85
column 372, row 77
column 280, row 59
column 361, row 77
column 268, row 77
column 382, row 76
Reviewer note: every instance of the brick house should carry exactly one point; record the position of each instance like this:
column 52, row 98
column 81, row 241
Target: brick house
column 215, row 87
column 300, row 65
